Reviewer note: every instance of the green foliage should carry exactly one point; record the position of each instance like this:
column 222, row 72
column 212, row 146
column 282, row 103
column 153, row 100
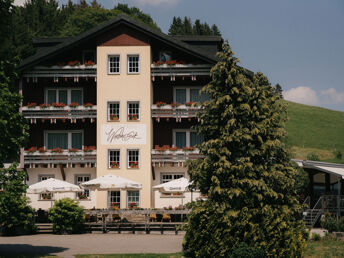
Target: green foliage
column 244, row 251
column 316, row 237
column 312, row 156
column 278, row 90
column 329, row 223
column 16, row 216
column 338, row 155
column 185, row 27
column 246, row 171
column 301, row 182
column 67, row 217
column 340, row 224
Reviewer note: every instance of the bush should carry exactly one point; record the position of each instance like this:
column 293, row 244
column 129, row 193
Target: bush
column 16, row 216
column 316, row 237
column 338, row 155
column 340, row 224
column 329, row 223
column 244, row 251
column 67, row 217
column 313, row 156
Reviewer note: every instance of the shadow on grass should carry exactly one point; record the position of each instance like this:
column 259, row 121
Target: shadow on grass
column 24, row 250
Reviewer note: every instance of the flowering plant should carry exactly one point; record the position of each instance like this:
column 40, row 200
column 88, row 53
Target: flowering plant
column 175, row 104
column 114, row 117
column 88, row 105
column 160, row 104
column 59, row 105
column 173, row 148
column 168, row 62
column 73, row 150
column 47, row 196
column 188, row 148
column 89, row 63
column 57, row 150
column 114, row 164
column 133, row 164
column 82, row 196
column 31, row 150
column 43, row 105
column 89, row 148
column 189, row 104
column 74, row 63
column 31, row 105
column 74, row 104
column 42, row 150
column 133, row 117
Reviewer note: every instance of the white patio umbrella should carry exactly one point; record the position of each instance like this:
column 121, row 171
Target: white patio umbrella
column 111, row 183
column 52, row 185
column 179, row 185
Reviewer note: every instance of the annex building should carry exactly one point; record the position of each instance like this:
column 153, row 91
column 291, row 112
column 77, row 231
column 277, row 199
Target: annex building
column 118, row 99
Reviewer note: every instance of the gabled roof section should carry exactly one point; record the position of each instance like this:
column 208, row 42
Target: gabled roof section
column 69, row 43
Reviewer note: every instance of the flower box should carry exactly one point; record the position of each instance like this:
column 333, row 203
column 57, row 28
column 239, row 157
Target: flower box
column 74, row 63
column 160, row 104
column 89, row 63
column 175, row 104
column 57, row 150
column 88, row 105
column 114, row 117
column 132, row 117
column 82, row 196
column 31, row 150
column 31, row 105
column 114, row 164
column 89, row 148
column 59, row 105
column 46, row 196
column 42, row 150
column 188, row 148
column 74, row 105
column 43, row 106
column 73, row 150
column 133, row 164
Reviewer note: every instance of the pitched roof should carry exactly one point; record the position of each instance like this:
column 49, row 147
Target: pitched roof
column 68, row 43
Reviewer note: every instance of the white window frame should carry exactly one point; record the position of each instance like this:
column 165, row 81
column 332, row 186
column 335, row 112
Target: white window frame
column 89, row 51
column 85, row 191
column 137, row 203
column 139, row 66
column 69, row 94
column 187, row 131
column 119, row 63
column 46, row 132
column 109, row 198
column 170, row 174
column 139, row 113
column 119, row 158
column 187, row 88
column 108, row 110
column 45, row 175
column 138, row 158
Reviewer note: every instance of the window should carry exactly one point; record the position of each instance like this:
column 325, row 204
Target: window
column 63, row 139
column 114, row 199
column 89, row 55
column 63, row 95
column 186, row 138
column 133, row 64
column 114, row 158
column 167, row 177
column 113, row 64
column 81, row 179
column 45, row 196
column 134, row 111
column 189, row 94
column 133, row 158
column 113, row 111
column 133, row 198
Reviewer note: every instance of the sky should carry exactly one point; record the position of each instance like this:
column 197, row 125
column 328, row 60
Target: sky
column 296, row 43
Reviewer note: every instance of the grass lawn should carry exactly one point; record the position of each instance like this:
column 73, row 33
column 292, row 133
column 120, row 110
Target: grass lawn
column 326, row 247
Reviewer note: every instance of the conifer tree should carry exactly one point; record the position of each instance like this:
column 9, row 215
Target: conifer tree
column 215, row 30
column 246, row 172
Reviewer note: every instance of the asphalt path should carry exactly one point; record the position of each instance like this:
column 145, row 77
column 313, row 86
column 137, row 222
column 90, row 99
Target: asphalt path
column 96, row 243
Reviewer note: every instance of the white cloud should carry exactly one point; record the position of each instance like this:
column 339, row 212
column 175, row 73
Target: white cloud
column 332, row 96
column 302, row 94
column 19, row 2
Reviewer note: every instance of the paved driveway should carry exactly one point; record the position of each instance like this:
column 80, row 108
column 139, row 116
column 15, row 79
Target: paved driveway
column 68, row 245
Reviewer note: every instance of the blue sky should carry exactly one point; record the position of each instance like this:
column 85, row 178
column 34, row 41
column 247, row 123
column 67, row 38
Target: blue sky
column 297, row 43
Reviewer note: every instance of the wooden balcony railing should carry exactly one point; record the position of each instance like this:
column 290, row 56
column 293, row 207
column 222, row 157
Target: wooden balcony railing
column 53, row 113
column 65, row 157
column 164, row 157
column 175, row 112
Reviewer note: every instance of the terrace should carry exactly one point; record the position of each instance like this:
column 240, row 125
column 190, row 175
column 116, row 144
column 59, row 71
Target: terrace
column 174, row 110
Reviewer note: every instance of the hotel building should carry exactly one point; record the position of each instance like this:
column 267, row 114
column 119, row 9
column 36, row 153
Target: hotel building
column 118, row 99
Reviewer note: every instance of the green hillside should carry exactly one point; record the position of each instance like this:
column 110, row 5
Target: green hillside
column 315, row 130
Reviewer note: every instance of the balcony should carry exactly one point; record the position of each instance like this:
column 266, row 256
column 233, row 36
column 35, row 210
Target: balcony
column 175, row 111
column 53, row 113
column 34, row 156
column 173, row 69
column 166, row 155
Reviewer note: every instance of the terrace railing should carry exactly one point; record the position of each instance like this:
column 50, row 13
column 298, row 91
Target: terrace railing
column 53, row 113
column 176, row 112
column 160, row 157
column 64, row 157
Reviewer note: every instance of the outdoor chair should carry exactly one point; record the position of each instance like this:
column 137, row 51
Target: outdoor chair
column 152, row 217
column 116, row 217
column 166, row 217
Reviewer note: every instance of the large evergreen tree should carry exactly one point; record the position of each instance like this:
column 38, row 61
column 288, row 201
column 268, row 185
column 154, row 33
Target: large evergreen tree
column 186, row 27
column 246, row 172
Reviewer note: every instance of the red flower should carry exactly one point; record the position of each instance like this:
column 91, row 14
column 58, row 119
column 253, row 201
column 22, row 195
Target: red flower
column 31, row 105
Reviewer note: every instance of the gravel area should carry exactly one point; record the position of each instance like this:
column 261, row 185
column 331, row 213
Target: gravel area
column 96, row 243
